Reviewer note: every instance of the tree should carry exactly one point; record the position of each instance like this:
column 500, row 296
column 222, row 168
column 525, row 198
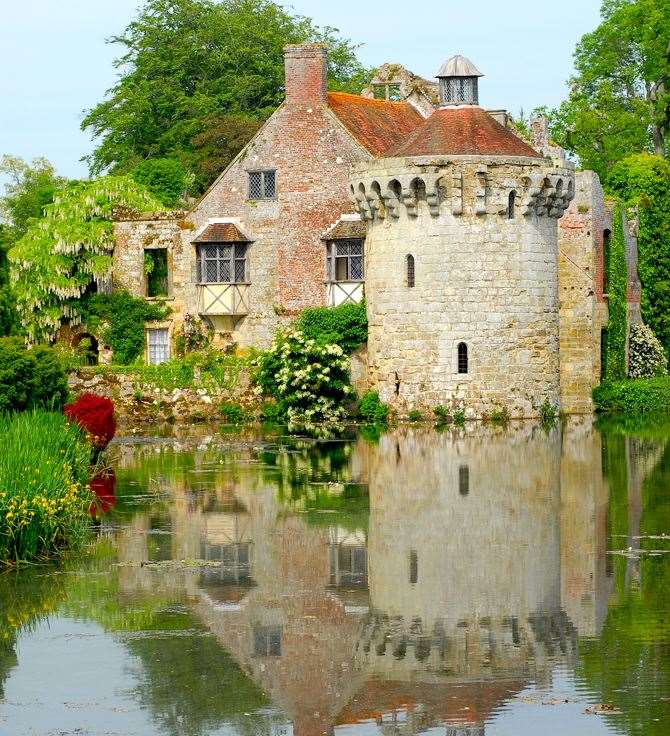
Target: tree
column 619, row 101
column 188, row 62
column 642, row 182
column 30, row 189
column 165, row 178
column 61, row 255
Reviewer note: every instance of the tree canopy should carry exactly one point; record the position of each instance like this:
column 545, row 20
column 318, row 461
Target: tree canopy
column 190, row 67
column 59, row 256
column 619, row 103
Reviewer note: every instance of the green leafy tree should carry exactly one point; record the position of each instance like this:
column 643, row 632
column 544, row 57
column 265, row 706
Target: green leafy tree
column 30, row 188
column 165, row 178
column 61, row 255
column 620, row 100
column 186, row 63
column 642, row 182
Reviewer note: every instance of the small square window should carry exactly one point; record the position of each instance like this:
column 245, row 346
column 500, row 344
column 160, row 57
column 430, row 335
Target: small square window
column 267, row 641
column 379, row 91
column 394, row 92
column 262, row 185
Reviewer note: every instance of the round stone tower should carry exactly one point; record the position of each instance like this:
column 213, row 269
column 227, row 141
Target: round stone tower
column 461, row 261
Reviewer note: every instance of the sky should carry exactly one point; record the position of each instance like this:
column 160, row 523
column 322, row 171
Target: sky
column 55, row 62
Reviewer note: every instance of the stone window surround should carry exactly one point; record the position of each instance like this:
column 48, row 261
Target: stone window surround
column 392, row 91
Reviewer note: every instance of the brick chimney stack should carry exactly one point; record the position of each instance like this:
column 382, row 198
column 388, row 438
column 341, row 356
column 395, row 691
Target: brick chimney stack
column 306, row 74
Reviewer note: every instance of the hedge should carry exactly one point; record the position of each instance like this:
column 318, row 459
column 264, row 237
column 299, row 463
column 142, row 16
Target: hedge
column 641, row 396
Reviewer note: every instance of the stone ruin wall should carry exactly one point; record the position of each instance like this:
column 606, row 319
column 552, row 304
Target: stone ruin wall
column 481, row 278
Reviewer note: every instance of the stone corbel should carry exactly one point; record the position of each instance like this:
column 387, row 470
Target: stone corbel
column 376, row 206
column 457, row 193
column 433, row 194
column 391, row 203
column 480, row 190
column 530, row 203
column 409, row 197
column 362, row 207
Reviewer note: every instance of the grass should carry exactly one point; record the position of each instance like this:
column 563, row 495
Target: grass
column 44, row 493
column 638, row 396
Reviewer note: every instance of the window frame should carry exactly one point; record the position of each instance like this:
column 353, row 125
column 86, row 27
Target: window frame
column 332, row 258
column 148, row 332
column 263, row 185
column 462, row 359
column 410, row 271
column 511, row 204
column 232, row 260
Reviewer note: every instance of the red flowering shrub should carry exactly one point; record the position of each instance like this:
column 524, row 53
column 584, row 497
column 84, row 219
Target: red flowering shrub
column 104, row 487
column 95, row 415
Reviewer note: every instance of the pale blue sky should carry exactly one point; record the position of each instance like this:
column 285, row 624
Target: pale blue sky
column 54, row 62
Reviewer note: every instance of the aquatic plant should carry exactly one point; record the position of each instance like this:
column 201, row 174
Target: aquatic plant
column 372, row 409
column 500, row 416
column 95, row 415
column 44, row 491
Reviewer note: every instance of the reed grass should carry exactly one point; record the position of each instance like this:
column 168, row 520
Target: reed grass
column 44, row 491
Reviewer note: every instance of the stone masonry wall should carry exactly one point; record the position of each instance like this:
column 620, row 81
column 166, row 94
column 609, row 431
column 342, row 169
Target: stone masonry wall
column 583, row 306
column 481, row 278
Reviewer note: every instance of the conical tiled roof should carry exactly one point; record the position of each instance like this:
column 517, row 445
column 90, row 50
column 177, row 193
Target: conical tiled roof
column 461, row 131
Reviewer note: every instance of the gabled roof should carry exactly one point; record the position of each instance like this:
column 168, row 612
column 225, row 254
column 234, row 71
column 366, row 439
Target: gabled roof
column 461, row 131
column 222, row 232
column 375, row 124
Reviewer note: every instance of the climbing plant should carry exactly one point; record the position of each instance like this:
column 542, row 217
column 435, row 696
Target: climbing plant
column 61, row 254
column 617, row 328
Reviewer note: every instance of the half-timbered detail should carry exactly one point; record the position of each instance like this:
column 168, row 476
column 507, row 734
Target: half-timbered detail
column 222, row 272
column 345, row 261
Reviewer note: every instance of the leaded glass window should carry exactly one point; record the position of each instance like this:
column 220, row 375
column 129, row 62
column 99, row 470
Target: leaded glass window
column 459, row 90
column 262, row 184
column 158, row 346
column 267, row 641
column 462, row 357
column 345, row 260
column 222, row 263
column 410, row 270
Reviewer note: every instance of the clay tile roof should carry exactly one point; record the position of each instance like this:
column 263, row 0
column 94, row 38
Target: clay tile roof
column 221, row 232
column 462, row 131
column 346, row 228
column 375, row 124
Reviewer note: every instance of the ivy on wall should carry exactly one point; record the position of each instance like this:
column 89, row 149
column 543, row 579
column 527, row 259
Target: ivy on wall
column 617, row 325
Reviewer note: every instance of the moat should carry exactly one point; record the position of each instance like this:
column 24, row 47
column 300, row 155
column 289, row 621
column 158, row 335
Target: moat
column 476, row 582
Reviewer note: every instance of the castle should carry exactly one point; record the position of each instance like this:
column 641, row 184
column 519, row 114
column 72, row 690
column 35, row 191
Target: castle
column 480, row 256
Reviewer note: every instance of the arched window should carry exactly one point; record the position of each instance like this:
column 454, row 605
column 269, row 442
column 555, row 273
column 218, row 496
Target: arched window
column 462, row 357
column 410, row 270
column 510, row 205
column 464, row 480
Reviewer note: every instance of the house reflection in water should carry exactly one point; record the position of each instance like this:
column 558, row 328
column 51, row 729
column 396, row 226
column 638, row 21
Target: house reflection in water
column 482, row 561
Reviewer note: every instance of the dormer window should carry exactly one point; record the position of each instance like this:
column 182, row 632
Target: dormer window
column 262, row 185
column 345, row 260
column 387, row 91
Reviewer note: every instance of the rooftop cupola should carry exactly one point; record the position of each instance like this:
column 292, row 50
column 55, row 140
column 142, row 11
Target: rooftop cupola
column 459, row 82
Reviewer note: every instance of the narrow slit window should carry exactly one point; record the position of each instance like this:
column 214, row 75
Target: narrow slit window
column 464, row 480
column 410, row 270
column 511, row 201
column 607, row 238
column 413, row 567
column 462, row 357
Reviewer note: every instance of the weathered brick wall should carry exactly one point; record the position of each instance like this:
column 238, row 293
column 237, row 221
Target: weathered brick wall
column 583, row 306
column 481, row 278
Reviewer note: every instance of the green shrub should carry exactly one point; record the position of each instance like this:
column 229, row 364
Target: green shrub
column 548, row 414
column 310, row 378
column 233, row 413
column 44, row 492
column 459, row 418
column 442, row 415
column 500, row 415
column 30, row 378
column 646, row 357
column 346, row 325
column 274, row 412
column 641, row 396
column 372, row 409
column 118, row 320
column 415, row 415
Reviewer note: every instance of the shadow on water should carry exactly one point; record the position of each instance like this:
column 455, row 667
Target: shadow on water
column 482, row 581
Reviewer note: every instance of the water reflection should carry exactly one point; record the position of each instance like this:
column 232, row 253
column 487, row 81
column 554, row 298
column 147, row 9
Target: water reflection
column 429, row 580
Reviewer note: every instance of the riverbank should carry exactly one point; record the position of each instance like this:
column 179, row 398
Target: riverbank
column 634, row 396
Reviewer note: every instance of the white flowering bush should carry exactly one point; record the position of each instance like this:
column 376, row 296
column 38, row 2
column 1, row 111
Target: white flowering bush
column 646, row 355
column 309, row 380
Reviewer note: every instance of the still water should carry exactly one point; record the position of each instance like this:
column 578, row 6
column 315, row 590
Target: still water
column 483, row 582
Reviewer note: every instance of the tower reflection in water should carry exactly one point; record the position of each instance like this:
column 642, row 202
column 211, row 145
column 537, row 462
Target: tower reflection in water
column 466, row 573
